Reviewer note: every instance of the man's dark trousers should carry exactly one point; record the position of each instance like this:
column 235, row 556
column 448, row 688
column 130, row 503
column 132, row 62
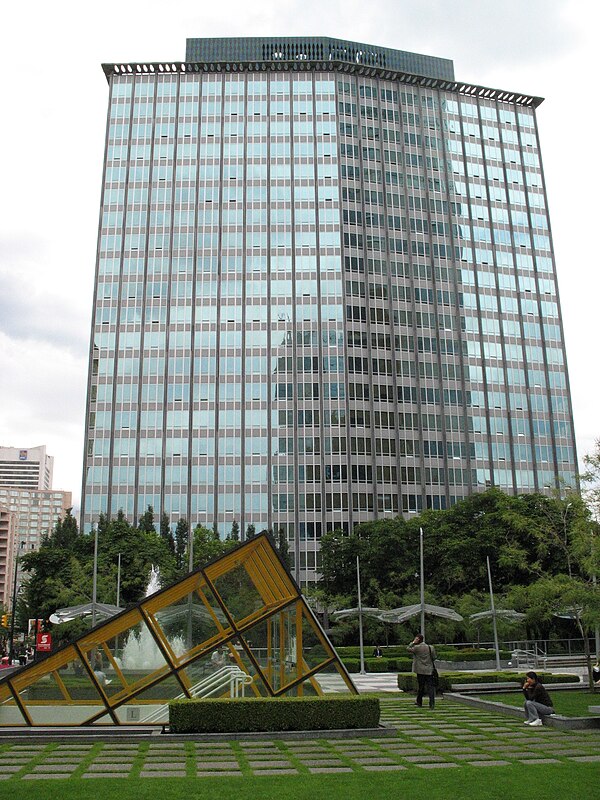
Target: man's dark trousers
column 425, row 684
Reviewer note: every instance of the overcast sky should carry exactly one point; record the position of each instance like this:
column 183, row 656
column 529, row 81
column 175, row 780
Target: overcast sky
column 54, row 97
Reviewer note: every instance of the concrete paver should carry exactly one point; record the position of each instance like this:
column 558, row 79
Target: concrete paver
column 447, row 738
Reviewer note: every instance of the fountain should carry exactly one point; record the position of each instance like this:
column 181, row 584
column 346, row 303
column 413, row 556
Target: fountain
column 140, row 651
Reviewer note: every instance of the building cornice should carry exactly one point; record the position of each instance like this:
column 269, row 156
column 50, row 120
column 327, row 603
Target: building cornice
column 343, row 67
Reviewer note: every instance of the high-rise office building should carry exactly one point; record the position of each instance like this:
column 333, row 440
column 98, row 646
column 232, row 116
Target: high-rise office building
column 28, row 468
column 36, row 512
column 29, row 507
column 325, row 292
column 7, row 555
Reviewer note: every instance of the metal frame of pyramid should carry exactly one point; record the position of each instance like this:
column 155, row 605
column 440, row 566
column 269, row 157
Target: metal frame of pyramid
column 243, row 609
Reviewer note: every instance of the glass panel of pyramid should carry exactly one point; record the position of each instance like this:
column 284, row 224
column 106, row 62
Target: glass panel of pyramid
column 238, row 626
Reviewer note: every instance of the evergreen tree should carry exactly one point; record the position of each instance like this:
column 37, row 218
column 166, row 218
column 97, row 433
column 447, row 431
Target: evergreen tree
column 283, row 549
column 234, row 536
column 65, row 533
column 166, row 534
column 181, row 543
column 146, row 522
column 250, row 531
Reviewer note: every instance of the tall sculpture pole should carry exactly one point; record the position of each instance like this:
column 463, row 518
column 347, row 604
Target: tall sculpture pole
column 95, row 578
column 190, row 627
column 422, row 583
column 360, row 621
column 118, row 580
column 493, row 608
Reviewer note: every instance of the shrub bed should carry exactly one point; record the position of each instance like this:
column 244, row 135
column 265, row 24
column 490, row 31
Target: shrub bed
column 226, row 715
column 379, row 664
column 470, row 654
column 352, row 653
column 407, row 682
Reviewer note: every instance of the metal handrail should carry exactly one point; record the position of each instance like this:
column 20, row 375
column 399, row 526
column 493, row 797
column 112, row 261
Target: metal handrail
column 231, row 676
column 527, row 657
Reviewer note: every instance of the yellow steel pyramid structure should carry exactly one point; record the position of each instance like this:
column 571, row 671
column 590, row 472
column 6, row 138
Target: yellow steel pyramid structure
column 237, row 626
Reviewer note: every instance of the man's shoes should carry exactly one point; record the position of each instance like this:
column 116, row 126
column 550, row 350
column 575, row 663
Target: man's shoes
column 536, row 723
column 527, row 722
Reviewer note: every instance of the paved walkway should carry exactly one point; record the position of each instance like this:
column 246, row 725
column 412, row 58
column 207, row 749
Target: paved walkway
column 446, row 738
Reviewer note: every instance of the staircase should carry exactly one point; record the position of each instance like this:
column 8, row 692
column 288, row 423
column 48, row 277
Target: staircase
column 227, row 678
column 558, row 662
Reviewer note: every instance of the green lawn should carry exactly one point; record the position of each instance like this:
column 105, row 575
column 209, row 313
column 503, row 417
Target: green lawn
column 568, row 703
column 550, row 782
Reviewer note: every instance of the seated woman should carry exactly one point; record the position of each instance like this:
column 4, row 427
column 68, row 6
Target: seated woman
column 537, row 700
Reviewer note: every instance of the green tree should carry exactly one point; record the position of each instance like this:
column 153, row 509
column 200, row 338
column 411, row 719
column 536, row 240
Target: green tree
column 591, row 481
column 557, row 596
column 56, row 575
column 510, row 530
column 166, row 534
column 234, row 535
column 208, row 546
column 181, row 543
column 250, row 531
column 572, row 591
column 146, row 522
column 60, row 572
column 66, row 532
column 282, row 546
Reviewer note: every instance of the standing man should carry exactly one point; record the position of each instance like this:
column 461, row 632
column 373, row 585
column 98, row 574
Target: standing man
column 423, row 658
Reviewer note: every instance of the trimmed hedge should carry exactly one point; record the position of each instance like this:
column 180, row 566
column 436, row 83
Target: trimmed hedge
column 379, row 664
column 353, row 651
column 227, row 715
column 407, row 682
column 399, row 652
column 469, row 654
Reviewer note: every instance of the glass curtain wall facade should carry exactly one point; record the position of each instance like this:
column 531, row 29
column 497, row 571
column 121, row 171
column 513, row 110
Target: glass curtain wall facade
column 322, row 297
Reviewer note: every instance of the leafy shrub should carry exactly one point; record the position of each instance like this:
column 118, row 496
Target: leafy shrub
column 407, row 682
column 443, row 653
column 379, row 664
column 470, row 654
column 229, row 715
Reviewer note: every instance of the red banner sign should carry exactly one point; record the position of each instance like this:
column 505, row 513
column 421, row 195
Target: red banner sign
column 44, row 642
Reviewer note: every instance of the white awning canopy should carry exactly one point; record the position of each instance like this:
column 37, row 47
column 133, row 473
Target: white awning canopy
column 103, row 611
column 407, row 612
column 400, row 614
column 507, row 614
column 353, row 612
